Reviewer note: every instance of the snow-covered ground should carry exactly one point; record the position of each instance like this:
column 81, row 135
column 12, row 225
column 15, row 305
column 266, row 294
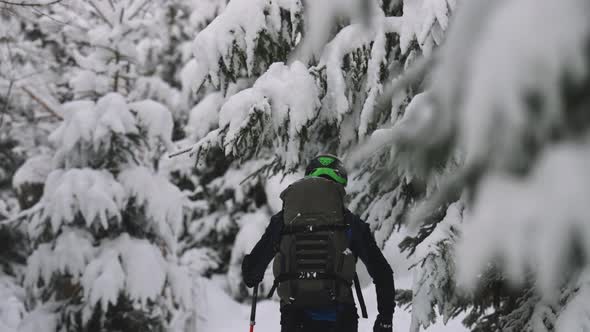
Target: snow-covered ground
column 223, row 314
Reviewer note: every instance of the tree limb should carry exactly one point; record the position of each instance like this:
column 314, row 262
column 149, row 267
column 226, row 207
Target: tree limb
column 100, row 13
column 29, row 4
column 6, row 100
column 139, row 8
column 42, row 102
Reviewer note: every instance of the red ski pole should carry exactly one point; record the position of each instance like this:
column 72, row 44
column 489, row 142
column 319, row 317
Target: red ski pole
column 253, row 311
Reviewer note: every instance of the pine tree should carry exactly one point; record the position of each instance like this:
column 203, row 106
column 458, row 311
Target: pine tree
column 286, row 94
column 421, row 161
column 105, row 199
column 22, row 64
column 13, row 251
column 513, row 148
column 473, row 143
column 103, row 195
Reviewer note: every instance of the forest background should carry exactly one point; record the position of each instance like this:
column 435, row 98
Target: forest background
column 464, row 125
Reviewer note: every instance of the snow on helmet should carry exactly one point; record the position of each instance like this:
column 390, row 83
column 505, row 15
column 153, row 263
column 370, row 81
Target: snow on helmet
column 327, row 166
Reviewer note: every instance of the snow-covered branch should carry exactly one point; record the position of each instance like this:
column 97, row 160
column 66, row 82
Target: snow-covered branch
column 29, row 4
column 241, row 39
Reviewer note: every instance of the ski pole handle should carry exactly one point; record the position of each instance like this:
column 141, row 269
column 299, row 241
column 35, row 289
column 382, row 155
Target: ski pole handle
column 253, row 311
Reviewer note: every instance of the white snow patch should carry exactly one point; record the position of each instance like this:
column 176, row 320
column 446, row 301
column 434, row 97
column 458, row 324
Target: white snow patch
column 43, row 318
column 219, row 304
column 104, row 279
column 93, row 194
column 272, row 99
column 252, row 228
column 204, row 117
column 240, row 24
column 34, row 170
column 144, row 266
column 274, row 187
column 163, row 201
column 12, row 307
column 530, row 223
column 156, row 118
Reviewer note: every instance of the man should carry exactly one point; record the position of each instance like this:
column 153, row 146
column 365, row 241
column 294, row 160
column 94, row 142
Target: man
column 316, row 241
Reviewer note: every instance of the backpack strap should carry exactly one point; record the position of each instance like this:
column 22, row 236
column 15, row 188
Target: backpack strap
column 359, row 296
column 306, row 276
column 310, row 228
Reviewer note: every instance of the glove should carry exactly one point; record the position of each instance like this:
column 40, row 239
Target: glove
column 249, row 273
column 382, row 325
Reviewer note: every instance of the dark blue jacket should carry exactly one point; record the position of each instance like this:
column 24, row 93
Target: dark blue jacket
column 362, row 244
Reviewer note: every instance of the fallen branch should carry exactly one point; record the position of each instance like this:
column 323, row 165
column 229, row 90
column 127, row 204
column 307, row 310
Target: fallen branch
column 178, row 153
column 29, row 4
column 21, row 215
column 41, row 102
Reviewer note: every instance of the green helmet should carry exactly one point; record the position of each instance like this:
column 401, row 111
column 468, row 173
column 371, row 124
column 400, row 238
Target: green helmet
column 327, row 166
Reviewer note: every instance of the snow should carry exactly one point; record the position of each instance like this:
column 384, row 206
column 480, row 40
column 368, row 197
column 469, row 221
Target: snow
column 145, row 269
column 72, row 262
column 393, row 139
column 278, row 84
column 425, row 22
column 181, row 284
column 161, row 200
column 574, row 316
column 508, row 60
column 204, row 117
column 348, row 39
column 114, row 116
column 530, row 223
column 374, row 87
column 383, row 213
column 34, row 170
column 157, row 90
column 126, row 265
column 94, row 194
column 156, row 118
column 186, row 75
column 252, row 228
column 235, row 114
column 318, row 20
column 42, row 318
column 103, row 280
column 204, row 226
column 181, row 164
column 219, row 221
column 232, row 180
column 240, row 24
column 433, row 272
column 265, row 106
column 12, row 308
column 275, row 185
column 204, row 11
column 199, row 260
column 88, row 127
column 39, row 265
column 219, row 304
column 84, row 81
column 272, row 100
column 79, row 123
column 444, row 232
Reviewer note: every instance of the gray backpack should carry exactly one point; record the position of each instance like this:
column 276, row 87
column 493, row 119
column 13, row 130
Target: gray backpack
column 314, row 268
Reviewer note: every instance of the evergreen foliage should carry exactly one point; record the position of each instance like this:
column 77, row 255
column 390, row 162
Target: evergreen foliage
column 463, row 125
column 429, row 142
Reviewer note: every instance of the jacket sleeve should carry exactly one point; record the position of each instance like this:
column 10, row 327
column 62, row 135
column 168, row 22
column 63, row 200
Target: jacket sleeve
column 364, row 245
column 254, row 265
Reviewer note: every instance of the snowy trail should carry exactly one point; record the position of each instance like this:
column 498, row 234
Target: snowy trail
column 225, row 315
